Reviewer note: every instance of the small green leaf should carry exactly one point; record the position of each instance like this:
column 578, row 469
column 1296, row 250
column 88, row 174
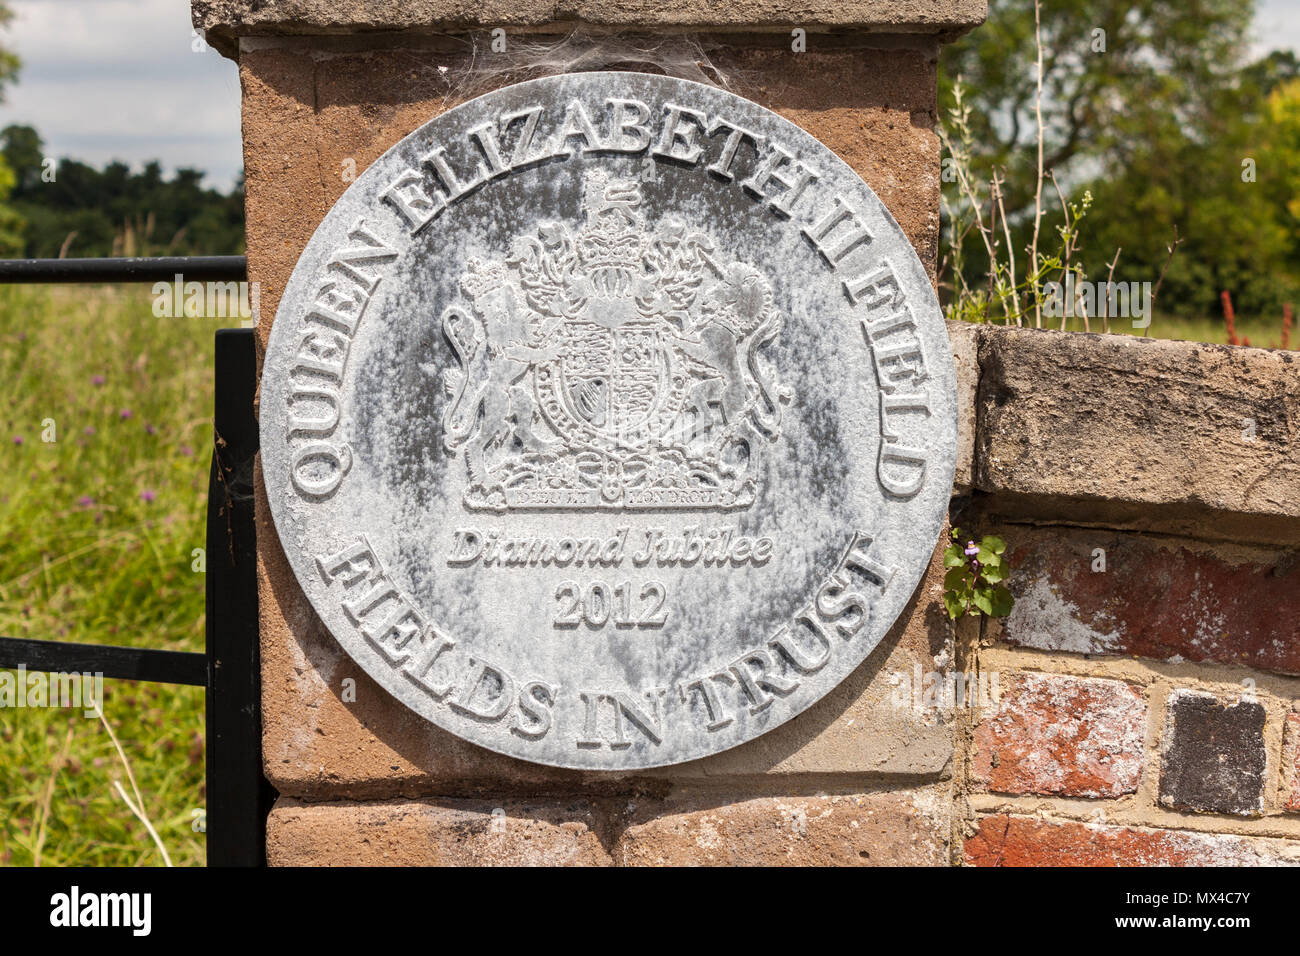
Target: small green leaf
column 993, row 543
column 983, row 599
column 993, row 573
column 952, row 556
column 954, row 605
column 955, row 579
column 1002, row 602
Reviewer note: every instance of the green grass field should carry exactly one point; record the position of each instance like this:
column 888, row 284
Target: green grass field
column 97, row 530
column 1261, row 332
column 97, row 533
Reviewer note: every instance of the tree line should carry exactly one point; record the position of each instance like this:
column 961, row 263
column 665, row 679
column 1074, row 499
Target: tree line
column 69, row 208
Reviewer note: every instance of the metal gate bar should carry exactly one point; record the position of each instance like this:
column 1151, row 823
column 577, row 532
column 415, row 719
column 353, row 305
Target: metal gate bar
column 126, row 663
column 239, row 798
column 134, row 269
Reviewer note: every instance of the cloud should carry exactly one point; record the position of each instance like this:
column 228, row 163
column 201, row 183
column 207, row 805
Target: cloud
column 119, row 79
column 1276, row 26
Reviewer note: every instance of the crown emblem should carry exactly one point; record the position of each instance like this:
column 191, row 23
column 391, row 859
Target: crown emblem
column 609, row 246
column 625, row 366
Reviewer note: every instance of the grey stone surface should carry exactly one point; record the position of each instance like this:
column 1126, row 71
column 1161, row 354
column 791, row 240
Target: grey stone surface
column 224, row 21
column 608, row 421
column 1148, row 434
column 965, row 353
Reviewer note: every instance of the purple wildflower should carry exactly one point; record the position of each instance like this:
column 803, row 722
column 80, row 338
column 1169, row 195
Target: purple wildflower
column 125, row 413
column 972, row 549
column 85, row 501
column 147, row 496
column 18, row 439
column 97, row 380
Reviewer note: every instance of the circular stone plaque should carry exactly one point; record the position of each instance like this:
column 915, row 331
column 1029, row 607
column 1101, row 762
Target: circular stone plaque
column 608, row 420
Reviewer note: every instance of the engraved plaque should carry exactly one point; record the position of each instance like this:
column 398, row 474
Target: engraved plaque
column 608, row 421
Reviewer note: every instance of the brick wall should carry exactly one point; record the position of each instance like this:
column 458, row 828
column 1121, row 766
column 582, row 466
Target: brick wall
column 1150, row 670
column 1140, row 706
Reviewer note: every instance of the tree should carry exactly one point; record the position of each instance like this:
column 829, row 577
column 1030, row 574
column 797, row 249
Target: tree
column 1232, row 190
column 9, row 62
column 1281, row 154
column 1151, row 108
column 11, row 223
column 24, row 152
column 1113, row 72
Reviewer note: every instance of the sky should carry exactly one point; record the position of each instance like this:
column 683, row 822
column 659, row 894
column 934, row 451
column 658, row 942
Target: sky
column 119, row 79
column 1277, row 25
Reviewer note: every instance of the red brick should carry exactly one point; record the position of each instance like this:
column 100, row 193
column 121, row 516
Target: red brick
column 1021, row 841
column 1155, row 599
column 1068, row 736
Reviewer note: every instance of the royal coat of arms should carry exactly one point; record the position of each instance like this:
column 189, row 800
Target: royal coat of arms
column 620, row 367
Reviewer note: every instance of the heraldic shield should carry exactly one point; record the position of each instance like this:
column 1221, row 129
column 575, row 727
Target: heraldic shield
column 620, row 367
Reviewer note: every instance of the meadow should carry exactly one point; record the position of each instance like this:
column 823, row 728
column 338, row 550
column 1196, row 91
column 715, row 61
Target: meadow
column 97, row 532
column 98, row 528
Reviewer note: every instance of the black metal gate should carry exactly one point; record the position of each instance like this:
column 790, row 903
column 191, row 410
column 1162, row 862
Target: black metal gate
column 238, row 795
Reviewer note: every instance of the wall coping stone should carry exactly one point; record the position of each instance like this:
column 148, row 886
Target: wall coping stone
column 225, row 22
column 1139, row 433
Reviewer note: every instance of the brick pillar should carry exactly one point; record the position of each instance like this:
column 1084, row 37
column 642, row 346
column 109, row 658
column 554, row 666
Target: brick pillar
column 857, row 778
